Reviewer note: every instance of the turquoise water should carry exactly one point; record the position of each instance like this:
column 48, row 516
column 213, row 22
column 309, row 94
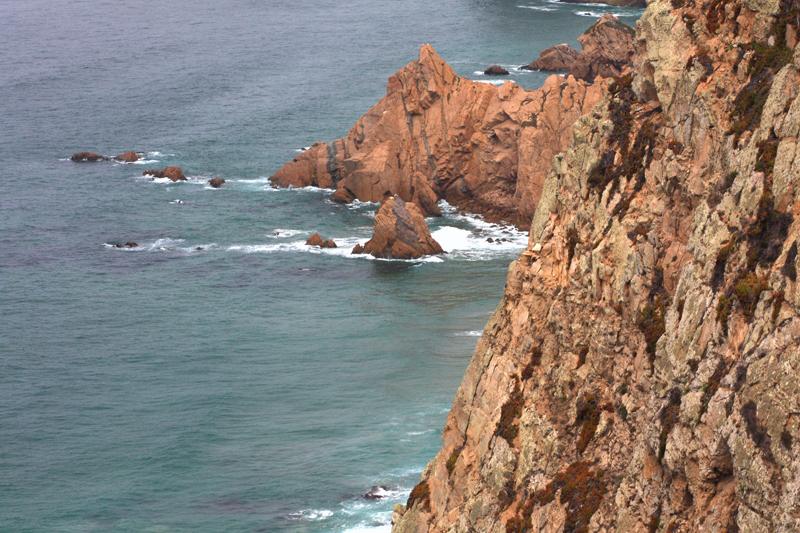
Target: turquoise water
column 252, row 384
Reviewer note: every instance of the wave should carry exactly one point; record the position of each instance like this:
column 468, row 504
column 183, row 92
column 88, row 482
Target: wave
column 471, row 333
column 165, row 244
column 312, row 515
column 280, row 233
column 343, row 249
column 494, row 82
column 539, row 8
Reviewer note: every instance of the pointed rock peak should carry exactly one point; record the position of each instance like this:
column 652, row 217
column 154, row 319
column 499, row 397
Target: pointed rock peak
column 430, row 58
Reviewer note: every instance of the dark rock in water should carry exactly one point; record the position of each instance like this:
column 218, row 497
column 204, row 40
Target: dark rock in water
column 489, row 240
column 199, row 248
column 129, row 244
column 377, row 492
column 87, row 157
column 216, row 182
column 317, row 240
column 172, row 173
column 357, row 249
column 127, row 157
column 496, row 70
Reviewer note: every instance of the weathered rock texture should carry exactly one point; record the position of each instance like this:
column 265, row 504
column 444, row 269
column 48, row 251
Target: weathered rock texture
column 87, row 157
column 318, row 240
column 172, row 173
column 436, row 135
column 400, row 233
column 606, row 50
column 641, row 370
column 127, row 157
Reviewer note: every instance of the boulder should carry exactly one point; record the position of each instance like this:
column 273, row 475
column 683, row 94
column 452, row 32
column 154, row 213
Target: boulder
column 319, row 241
column 127, row 157
column 342, row 196
column 216, row 182
column 87, row 157
column 495, row 70
column 377, row 492
column 357, row 249
column 129, row 244
column 557, row 58
column 400, row 232
column 172, row 173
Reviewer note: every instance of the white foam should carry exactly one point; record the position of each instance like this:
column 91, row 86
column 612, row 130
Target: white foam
column 343, row 249
column 494, row 82
column 365, row 528
column 280, row 233
column 471, row 333
column 539, row 8
column 303, row 149
column 312, row 515
column 262, row 179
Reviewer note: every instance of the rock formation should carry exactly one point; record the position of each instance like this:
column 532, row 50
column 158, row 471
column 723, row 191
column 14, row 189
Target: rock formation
column 400, row 233
column 172, row 173
column 318, row 240
column 606, row 50
column 495, row 70
column 436, row 135
column 640, row 372
column 216, row 182
column 87, row 157
column 557, row 58
column 127, row 157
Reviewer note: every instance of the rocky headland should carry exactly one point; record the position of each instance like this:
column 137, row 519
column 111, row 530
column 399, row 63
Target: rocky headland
column 640, row 372
column 436, row 135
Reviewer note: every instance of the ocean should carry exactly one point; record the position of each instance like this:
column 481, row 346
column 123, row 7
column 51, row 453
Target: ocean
column 223, row 376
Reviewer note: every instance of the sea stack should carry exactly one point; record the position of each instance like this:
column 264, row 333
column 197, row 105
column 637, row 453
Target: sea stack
column 171, row 173
column 87, row 157
column 400, row 233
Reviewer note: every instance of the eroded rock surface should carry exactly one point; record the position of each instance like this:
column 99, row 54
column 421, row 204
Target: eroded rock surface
column 435, row 135
column 400, row 233
column 171, row 173
column 640, row 372
column 127, row 157
column 557, row 58
column 87, row 157
column 318, row 240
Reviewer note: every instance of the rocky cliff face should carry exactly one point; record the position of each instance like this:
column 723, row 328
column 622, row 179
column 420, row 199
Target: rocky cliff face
column 640, row 372
column 436, row 135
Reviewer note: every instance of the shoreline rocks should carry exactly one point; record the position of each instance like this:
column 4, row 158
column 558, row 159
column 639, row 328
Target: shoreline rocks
column 172, row 173
column 216, row 182
column 495, row 70
column 400, row 233
column 319, row 241
column 127, row 157
column 87, row 157
column 607, row 49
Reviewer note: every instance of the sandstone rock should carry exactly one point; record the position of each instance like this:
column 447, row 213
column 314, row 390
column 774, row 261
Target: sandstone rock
column 357, row 249
column 484, row 149
column 606, row 49
column 400, row 233
column 87, row 157
column 216, row 182
column 172, row 173
column 317, row 240
column 560, row 57
column 342, row 196
column 640, row 372
column 127, row 157
column 495, row 70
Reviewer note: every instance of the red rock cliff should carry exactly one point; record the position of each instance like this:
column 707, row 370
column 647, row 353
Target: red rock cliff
column 640, row 372
column 436, row 135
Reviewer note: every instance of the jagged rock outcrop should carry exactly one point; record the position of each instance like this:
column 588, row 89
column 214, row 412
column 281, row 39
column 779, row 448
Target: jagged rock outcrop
column 400, row 233
column 640, row 372
column 171, row 173
column 436, row 135
column 557, row 58
column 606, row 50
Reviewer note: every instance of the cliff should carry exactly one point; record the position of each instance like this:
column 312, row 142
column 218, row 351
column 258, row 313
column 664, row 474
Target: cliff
column 435, row 135
column 640, row 372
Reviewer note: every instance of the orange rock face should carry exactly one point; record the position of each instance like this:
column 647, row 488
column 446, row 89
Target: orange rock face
column 173, row 173
column 560, row 57
column 318, row 240
column 436, row 135
column 400, row 233
column 127, row 157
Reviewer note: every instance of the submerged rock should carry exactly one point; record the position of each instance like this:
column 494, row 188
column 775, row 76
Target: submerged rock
column 495, row 70
column 317, row 240
column 171, row 173
column 129, row 244
column 216, row 182
column 87, row 157
column 127, row 157
column 400, row 232
column 377, row 492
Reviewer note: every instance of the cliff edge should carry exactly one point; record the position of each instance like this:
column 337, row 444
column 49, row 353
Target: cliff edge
column 640, row 372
